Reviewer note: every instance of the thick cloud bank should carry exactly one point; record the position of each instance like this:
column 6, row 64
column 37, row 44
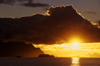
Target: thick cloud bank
column 60, row 25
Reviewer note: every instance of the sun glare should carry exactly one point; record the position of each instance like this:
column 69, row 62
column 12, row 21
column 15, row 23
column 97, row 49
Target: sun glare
column 62, row 44
column 75, row 44
column 74, row 49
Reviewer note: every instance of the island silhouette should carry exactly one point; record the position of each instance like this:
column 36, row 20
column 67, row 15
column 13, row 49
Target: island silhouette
column 46, row 55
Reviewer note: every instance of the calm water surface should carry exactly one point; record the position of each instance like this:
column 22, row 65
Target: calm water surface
column 49, row 61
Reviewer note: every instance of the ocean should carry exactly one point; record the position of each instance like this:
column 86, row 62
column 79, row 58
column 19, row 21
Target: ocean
column 49, row 61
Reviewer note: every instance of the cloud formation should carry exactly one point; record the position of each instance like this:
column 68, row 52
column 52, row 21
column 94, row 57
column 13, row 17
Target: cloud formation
column 89, row 12
column 11, row 2
column 68, row 50
column 35, row 5
column 60, row 25
column 28, row 3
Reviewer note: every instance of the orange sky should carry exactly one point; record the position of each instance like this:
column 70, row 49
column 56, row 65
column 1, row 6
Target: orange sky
column 70, row 50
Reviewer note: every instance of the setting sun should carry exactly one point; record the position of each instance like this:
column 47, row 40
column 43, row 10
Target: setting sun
column 75, row 44
column 74, row 49
column 76, row 39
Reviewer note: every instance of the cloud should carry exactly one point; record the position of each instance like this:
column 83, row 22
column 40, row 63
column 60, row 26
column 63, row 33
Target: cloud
column 13, row 49
column 1, row 1
column 35, row 5
column 89, row 12
column 60, row 24
column 68, row 50
column 10, row 2
column 14, row 1
column 28, row 3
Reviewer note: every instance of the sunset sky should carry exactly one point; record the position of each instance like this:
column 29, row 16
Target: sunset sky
column 90, row 9
column 70, row 27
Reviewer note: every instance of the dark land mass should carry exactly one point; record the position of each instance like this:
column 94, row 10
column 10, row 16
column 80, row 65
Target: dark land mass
column 18, row 49
column 46, row 55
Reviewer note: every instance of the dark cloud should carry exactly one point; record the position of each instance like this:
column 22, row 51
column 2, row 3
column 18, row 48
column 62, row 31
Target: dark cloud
column 28, row 4
column 89, row 12
column 31, row 4
column 13, row 1
column 60, row 25
column 1, row 1
column 35, row 5
column 10, row 2
column 14, row 49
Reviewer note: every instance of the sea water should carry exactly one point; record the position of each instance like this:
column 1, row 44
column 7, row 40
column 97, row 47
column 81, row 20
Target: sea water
column 49, row 61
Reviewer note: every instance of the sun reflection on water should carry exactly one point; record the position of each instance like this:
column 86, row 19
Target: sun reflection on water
column 75, row 61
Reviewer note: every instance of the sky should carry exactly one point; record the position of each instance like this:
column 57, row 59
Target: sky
column 88, row 8
column 48, row 23
column 70, row 50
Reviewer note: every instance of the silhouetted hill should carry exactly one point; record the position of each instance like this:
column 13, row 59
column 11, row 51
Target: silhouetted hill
column 13, row 49
column 46, row 55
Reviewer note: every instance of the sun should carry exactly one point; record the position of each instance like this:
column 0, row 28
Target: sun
column 75, row 44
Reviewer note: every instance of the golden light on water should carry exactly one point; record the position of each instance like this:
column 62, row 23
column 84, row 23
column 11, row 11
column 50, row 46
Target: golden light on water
column 75, row 61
